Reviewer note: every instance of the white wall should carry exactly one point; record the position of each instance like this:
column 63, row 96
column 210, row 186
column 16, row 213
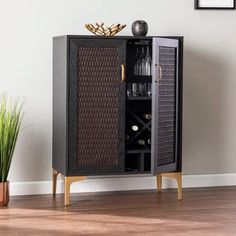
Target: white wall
column 27, row 28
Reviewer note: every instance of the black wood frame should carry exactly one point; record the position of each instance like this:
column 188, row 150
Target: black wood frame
column 197, row 7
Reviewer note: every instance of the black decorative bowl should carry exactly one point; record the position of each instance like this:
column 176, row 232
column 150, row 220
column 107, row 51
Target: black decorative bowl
column 139, row 28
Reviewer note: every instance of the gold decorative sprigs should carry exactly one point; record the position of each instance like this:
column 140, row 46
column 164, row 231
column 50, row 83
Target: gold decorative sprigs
column 100, row 29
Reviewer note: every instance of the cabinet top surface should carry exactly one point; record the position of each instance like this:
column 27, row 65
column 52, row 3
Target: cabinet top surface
column 115, row 37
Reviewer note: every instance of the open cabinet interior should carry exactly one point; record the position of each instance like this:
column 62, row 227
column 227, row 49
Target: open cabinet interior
column 138, row 106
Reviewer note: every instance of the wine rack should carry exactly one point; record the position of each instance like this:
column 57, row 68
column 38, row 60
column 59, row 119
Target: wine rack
column 137, row 146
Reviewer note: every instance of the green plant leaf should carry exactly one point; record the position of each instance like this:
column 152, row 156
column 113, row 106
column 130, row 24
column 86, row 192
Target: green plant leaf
column 10, row 122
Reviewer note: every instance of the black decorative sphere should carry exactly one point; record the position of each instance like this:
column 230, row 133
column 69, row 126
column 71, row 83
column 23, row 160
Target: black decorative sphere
column 139, row 28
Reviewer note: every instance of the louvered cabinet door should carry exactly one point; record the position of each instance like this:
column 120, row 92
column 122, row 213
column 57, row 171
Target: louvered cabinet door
column 96, row 106
column 166, row 106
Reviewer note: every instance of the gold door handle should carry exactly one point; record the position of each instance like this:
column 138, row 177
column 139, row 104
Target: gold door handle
column 160, row 73
column 122, row 72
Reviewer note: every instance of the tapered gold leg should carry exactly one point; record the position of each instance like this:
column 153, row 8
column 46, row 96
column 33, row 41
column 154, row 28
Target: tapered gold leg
column 175, row 175
column 54, row 182
column 179, row 182
column 67, row 184
column 68, row 180
column 159, row 183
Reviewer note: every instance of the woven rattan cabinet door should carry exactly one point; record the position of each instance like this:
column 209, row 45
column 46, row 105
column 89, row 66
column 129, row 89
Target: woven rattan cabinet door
column 165, row 105
column 96, row 106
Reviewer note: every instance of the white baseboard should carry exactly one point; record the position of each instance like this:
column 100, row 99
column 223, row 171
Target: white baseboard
column 120, row 184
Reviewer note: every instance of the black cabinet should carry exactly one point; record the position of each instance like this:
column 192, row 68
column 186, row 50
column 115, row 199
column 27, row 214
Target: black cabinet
column 107, row 118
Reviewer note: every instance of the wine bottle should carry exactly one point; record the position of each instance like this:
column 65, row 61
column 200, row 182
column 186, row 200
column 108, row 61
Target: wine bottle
column 141, row 142
column 147, row 116
column 134, row 128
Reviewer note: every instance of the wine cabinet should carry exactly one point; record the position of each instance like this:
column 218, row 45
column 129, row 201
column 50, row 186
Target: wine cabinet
column 117, row 107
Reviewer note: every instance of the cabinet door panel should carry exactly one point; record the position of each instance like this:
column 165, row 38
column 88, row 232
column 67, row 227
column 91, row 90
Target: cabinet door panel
column 166, row 106
column 96, row 106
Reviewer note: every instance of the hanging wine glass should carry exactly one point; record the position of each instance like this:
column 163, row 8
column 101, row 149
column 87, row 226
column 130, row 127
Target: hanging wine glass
column 148, row 62
column 129, row 89
column 137, row 62
column 143, row 62
column 149, row 90
column 135, row 89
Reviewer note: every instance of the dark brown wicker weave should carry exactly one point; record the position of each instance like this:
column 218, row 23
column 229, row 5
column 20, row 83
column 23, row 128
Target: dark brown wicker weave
column 166, row 106
column 98, row 106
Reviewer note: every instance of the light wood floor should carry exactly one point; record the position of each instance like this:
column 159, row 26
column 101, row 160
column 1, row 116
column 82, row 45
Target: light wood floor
column 206, row 211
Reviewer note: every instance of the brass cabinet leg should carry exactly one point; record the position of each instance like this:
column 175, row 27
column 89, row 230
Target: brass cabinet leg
column 54, row 182
column 68, row 180
column 179, row 182
column 178, row 177
column 159, row 183
column 67, row 184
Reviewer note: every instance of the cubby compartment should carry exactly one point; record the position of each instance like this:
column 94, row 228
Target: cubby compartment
column 139, row 162
column 139, row 67
column 132, row 163
column 147, row 162
column 139, row 58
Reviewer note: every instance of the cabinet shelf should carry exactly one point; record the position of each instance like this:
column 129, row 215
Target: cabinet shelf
column 139, row 98
column 146, row 77
column 137, row 172
column 139, row 78
column 134, row 151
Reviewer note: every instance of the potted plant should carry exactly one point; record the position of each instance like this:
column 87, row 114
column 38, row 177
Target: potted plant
column 10, row 122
